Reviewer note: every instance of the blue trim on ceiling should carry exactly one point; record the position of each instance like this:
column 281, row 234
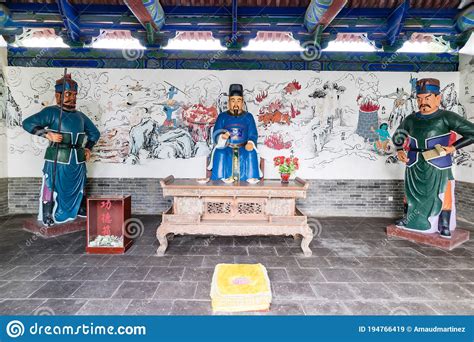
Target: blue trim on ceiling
column 235, row 60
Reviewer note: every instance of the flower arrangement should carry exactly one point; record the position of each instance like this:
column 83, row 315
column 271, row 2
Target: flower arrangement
column 286, row 166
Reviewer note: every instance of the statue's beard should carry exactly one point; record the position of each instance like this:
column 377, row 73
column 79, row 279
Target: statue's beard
column 69, row 103
column 235, row 111
column 69, row 106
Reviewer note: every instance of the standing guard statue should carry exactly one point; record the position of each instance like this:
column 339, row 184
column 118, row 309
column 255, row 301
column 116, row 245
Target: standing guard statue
column 425, row 141
column 62, row 195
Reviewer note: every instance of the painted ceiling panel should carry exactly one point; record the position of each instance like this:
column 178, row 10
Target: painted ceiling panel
column 273, row 3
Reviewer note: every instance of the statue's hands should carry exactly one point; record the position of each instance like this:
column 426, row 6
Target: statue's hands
column 225, row 135
column 449, row 149
column 54, row 137
column 87, row 154
column 249, row 146
column 402, row 156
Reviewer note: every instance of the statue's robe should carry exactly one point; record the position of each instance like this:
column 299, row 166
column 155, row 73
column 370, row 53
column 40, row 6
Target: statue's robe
column 70, row 180
column 242, row 129
column 429, row 184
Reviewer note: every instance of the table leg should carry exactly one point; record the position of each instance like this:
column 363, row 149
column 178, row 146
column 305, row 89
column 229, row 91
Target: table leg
column 307, row 238
column 161, row 236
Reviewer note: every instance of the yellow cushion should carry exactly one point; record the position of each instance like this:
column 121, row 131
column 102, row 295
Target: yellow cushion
column 240, row 287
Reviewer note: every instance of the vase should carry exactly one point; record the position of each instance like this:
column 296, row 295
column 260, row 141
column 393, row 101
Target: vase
column 285, row 177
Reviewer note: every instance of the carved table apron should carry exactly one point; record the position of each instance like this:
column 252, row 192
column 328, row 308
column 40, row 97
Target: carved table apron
column 239, row 209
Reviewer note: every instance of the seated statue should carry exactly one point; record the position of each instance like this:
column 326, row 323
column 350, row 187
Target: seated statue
column 235, row 135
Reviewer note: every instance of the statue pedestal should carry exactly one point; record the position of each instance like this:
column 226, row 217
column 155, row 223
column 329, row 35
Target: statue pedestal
column 458, row 237
column 36, row 227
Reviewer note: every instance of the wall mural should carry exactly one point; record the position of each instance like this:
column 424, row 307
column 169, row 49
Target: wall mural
column 10, row 112
column 327, row 119
column 3, row 123
column 466, row 97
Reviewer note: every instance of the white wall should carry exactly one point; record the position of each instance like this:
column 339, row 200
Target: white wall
column 466, row 96
column 104, row 94
column 3, row 131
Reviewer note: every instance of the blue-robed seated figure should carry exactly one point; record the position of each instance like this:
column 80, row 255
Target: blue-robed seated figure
column 235, row 135
column 72, row 136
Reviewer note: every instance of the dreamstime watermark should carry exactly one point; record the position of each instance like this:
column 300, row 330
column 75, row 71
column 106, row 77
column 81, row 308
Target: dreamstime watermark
column 133, row 228
column 400, row 311
column 44, row 311
column 39, row 142
column 400, row 137
column 219, row 53
column 208, row 241
column 36, row 58
column 133, row 54
column 15, row 329
column 29, row 242
column 312, row 51
column 390, row 59
column 315, row 226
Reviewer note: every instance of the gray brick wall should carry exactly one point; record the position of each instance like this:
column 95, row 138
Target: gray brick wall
column 354, row 198
column 325, row 198
column 23, row 195
column 465, row 200
column 147, row 197
column 3, row 196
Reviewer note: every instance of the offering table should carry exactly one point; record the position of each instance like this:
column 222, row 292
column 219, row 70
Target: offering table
column 237, row 209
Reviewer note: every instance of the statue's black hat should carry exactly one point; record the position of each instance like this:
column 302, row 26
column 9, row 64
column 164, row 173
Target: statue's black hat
column 236, row 90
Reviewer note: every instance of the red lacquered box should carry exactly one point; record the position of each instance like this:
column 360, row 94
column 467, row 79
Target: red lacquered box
column 107, row 221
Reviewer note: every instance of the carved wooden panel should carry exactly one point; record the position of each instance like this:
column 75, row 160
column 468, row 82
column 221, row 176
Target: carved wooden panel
column 280, row 206
column 218, row 208
column 249, row 208
column 187, row 206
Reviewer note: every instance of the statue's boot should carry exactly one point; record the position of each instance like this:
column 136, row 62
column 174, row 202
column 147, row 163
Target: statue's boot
column 48, row 219
column 83, row 208
column 443, row 224
column 402, row 223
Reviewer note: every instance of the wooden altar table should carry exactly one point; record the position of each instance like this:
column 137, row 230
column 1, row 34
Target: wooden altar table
column 237, row 209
